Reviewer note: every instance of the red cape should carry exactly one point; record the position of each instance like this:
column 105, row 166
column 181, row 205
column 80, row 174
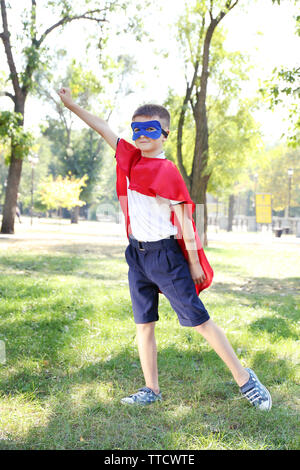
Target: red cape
column 157, row 177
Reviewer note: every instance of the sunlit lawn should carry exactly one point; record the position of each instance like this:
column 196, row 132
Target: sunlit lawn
column 66, row 321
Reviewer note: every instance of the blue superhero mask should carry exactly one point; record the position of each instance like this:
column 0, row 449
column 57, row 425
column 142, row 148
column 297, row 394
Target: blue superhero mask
column 150, row 129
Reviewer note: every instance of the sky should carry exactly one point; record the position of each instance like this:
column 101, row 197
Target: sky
column 263, row 31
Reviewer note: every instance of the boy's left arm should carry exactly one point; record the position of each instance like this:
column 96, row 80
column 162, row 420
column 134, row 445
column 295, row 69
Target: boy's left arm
column 188, row 234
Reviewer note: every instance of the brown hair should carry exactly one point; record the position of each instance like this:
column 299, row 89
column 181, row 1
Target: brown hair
column 153, row 110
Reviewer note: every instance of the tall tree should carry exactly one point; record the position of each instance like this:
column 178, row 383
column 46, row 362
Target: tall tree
column 3, row 172
column 82, row 157
column 80, row 152
column 196, row 30
column 32, row 57
column 235, row 144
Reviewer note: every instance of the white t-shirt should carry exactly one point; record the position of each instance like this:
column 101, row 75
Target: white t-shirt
column 150, row 216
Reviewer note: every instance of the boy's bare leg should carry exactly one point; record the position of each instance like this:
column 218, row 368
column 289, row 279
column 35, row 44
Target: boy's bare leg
column 218, row 341
column 148, row 354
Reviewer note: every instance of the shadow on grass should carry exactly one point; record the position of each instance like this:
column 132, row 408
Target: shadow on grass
column 261, row 285
column 278, row 297
column 53, row 324
column 48, row 320
column 265, row 292
column 199, row 403
column 82, row 266
column 41, row 263
column 277, row 328
column 99, row 249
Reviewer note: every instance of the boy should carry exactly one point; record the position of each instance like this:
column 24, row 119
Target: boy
column 164, row 252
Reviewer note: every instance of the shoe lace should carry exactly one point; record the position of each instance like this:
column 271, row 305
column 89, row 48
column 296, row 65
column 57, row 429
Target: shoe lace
column 140, row 393
column 253, row 395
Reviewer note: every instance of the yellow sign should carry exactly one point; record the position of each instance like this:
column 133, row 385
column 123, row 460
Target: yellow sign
column 263, row 206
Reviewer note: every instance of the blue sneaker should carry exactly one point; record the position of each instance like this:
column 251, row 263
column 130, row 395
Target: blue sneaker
column 256, row 393
column 144, row 396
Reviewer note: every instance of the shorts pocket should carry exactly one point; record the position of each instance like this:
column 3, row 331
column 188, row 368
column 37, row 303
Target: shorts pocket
column 126, row 253
column 129, row 255
column 175, row 258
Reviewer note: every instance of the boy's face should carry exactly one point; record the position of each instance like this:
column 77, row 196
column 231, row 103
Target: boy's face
column 150, row 147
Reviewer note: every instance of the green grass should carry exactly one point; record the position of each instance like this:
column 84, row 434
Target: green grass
column 66, row 320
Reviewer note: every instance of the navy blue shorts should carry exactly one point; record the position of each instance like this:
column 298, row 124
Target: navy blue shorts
column 161, row 266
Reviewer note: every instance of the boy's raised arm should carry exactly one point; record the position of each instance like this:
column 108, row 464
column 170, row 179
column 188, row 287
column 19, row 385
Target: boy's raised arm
column 96, row 123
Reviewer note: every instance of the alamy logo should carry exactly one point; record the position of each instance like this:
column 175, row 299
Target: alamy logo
column 2, row 352
column 108, row 211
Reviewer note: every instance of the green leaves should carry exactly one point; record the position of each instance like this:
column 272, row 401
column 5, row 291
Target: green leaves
column 284, row 88
column 62, row 192
column 11, row 130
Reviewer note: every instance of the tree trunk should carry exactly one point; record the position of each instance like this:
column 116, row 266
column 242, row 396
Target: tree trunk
column 198, row 195
column 11, row 195
column 198, row 180
column 199, row 177
column 23, row 86
column 75, row 215
column 230, row 212
column 14, row 177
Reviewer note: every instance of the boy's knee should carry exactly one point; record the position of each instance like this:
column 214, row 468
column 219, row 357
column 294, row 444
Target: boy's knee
column 145, row 327
column 203, row 326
